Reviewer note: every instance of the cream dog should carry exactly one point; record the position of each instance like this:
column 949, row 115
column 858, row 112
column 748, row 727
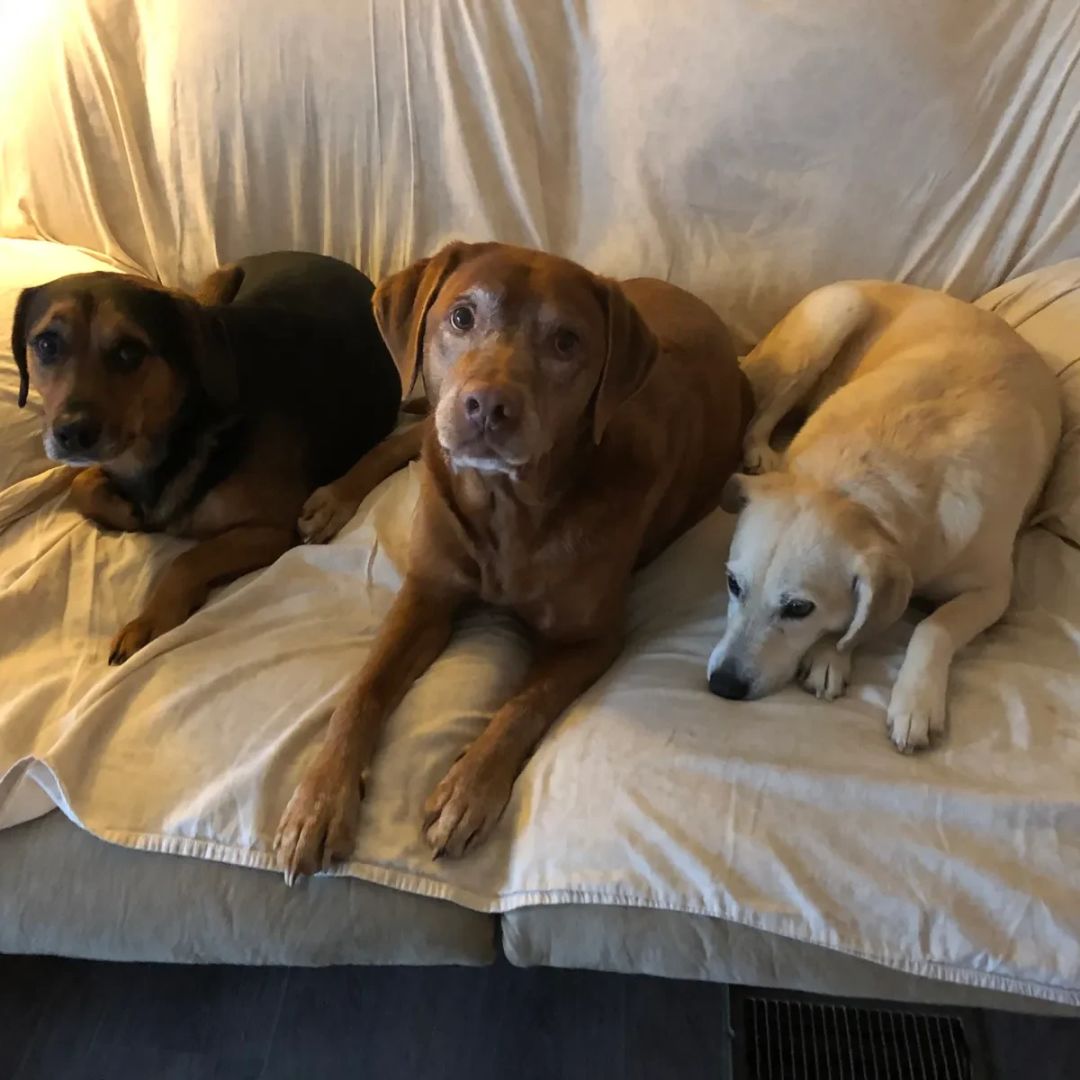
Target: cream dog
column 930, row 428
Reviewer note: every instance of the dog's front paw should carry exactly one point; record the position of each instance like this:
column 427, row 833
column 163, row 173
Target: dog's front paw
column 824, row 671
column 140, row 632
column 95, row 497
column 916, row 714
column 319, row 824
column 465, row 805
column 760, row 457
column 324, row 515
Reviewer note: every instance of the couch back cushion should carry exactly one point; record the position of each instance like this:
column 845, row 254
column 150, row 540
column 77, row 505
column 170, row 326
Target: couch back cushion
column 750, row 152
column 1044, row 307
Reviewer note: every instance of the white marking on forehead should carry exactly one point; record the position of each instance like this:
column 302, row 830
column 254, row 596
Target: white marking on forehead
column 550, row 313
column 486, row 295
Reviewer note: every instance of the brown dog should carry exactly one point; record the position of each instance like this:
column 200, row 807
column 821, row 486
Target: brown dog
column 212, row 416
column 579, row 426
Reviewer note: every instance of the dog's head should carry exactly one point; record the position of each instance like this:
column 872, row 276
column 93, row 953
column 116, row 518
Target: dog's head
column 520, row 351
column 804, row 563
column 113, row 358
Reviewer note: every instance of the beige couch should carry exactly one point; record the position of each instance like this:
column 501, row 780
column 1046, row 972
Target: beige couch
column 749, row 152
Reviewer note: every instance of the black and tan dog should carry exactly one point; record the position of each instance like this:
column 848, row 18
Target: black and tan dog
column 210, row 416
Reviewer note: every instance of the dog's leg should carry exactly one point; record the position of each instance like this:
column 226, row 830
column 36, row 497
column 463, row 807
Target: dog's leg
column 329, row 508
column 824, row 671
column 319, row 823
column 96, row 498
column 187, row 581
column 785, row 381
column 917, row 705
column 469, row 800
column 794, row 355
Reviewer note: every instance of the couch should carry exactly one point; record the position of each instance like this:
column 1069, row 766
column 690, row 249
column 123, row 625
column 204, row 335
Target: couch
column 748, row 152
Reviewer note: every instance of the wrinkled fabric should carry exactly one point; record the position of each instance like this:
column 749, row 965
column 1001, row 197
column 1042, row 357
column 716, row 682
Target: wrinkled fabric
column 749, row 152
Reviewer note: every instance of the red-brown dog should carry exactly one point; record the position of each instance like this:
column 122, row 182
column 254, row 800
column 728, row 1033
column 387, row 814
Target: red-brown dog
column 580, row 424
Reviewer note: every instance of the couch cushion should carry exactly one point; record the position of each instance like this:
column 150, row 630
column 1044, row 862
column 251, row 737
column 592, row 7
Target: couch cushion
column 679, row 946
column 65, row 892
column 1045, row 307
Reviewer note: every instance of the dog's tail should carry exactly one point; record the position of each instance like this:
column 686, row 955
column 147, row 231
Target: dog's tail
column 806, row 340
column 784, row 366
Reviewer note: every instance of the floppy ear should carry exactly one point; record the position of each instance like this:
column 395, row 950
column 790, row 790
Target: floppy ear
column 210, row 352
column 882, row 586
column 736, row 492
column 402, row 302
column 216, row 364
column 18, row 341
column 220, row 286
column 631, row 351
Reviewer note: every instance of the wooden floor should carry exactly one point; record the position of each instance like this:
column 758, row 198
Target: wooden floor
column 77, row 1020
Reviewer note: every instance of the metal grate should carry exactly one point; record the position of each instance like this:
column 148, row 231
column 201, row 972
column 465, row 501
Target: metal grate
column 801, row 1037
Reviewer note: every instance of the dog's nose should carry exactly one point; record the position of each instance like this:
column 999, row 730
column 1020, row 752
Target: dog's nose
column 489, row 409
column 727, row 683
column 77, row 433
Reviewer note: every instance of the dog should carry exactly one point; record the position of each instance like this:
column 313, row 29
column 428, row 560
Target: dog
column 210, row 416
column 579, row 425
column 930, row 429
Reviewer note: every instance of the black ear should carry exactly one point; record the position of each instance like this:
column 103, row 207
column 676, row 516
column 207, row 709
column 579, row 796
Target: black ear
column 194, row 339
column 221, row 286
column 209, row 348
column 18, row 340
column 213, row 357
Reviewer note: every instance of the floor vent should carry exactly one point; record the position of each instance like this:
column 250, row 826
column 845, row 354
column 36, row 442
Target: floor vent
column 778, row 1036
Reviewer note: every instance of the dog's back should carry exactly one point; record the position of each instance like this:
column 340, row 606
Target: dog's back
column 937, row 413
column 304, row 338
column 934, row 380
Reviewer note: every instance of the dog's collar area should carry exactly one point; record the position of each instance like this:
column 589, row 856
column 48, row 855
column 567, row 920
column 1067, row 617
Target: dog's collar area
column 196, row 455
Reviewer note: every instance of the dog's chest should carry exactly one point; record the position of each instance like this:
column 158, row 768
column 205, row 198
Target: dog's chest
column 169, row 495
column 522, row 558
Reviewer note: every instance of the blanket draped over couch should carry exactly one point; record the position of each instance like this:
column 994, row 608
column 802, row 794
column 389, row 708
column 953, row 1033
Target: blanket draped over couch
column 748, row 153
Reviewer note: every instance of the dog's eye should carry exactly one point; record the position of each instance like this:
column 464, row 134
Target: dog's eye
column 462, row 317
column 733, row 586
column 796, row 609
column 47, row 346
column 128, row 355
column 565, row 340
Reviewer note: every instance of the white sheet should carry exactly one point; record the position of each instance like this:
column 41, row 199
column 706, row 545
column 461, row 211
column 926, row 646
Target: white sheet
column 788, row 814
column 748, row 152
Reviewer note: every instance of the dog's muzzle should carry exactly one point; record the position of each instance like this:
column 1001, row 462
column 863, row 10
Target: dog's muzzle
column 76, row 435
